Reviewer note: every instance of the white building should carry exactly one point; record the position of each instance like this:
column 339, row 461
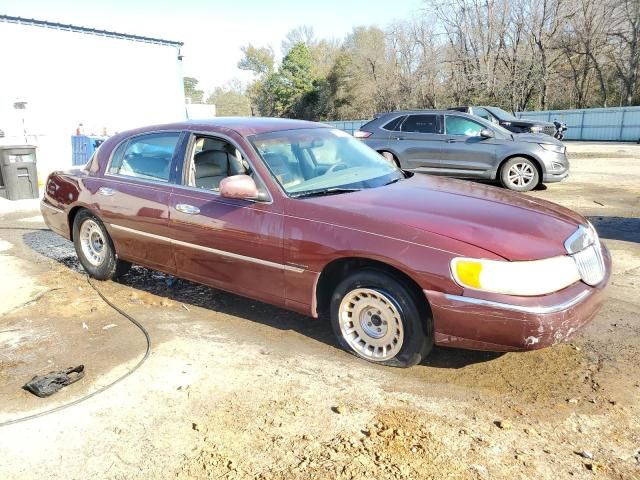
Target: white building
column 200, row 111
column 55, row 77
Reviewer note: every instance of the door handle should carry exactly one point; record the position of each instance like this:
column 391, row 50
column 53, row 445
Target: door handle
column 451, row 140
column 189, row 209
column 106, row 191
column 399, row 138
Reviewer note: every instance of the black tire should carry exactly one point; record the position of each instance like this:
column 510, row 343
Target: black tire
column 391, row 158
column 529, row 179
column 417, row 324
column 109, row 267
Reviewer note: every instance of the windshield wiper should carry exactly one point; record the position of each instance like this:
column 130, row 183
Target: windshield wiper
column 324, row 191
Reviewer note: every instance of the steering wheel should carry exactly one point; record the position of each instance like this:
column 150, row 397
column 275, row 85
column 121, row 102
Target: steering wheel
column 337, row 166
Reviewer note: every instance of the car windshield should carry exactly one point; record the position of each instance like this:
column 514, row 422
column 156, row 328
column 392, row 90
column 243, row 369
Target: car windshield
column 501, row 114
column 318, row 161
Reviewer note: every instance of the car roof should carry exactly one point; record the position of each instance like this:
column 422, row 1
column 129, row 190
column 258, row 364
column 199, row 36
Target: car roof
column 243, row 125
column 425, row 111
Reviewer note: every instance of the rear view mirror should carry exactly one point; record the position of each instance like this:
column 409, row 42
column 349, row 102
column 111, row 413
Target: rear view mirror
column 487, row 133
column 239, row 186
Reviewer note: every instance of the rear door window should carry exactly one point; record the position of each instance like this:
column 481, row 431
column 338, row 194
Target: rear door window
column 146, row 156
column 462, row 126
column 394, row 125
column 422, row 124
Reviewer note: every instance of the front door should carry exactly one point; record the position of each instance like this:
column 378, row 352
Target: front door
column 466, row 153
column 234, row 245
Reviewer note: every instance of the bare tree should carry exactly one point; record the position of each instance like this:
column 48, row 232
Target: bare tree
column 624, row 37
column 584, row 45
column 302, row 34
column 545, row 19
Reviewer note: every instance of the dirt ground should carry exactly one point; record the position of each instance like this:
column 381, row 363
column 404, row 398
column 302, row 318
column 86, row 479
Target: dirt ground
column 238, row 389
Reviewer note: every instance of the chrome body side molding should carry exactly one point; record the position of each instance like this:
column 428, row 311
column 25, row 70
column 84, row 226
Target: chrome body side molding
column 214, row 251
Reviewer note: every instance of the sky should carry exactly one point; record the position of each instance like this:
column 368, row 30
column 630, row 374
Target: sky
column 214, row 31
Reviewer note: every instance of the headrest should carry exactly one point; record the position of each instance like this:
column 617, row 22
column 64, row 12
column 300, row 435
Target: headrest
column 211, row 163
column 275, row 160
column 213, row 144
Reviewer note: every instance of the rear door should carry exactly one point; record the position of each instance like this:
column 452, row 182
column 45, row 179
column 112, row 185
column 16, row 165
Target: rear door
column 132, row 198
column 419, row 142
column 465, row 152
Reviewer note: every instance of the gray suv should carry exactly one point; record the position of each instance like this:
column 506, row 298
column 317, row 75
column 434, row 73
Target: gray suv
column 461, row 145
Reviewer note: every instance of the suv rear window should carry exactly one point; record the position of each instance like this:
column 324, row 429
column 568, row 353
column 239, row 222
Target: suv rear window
column 394, row 125
column 422, row 124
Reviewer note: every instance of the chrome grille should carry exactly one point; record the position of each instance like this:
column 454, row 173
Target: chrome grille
column 590, row 264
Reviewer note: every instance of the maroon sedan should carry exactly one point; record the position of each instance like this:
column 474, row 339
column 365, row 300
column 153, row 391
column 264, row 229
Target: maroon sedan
column 303, row 216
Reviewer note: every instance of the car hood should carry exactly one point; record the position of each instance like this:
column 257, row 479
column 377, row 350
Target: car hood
column 536, row 138
column 508, row 224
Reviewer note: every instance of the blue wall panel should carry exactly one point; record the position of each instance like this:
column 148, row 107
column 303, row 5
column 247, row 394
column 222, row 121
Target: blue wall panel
column 607, row 124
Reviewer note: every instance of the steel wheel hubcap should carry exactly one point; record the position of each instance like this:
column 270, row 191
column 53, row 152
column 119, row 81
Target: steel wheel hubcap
column 520, row 174
column 92, row 242
column 371, row 324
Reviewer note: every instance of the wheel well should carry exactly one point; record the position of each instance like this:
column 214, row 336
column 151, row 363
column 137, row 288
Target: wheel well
column 528, row 157
column 335, row 271
column 395, row 158
column 72, row 216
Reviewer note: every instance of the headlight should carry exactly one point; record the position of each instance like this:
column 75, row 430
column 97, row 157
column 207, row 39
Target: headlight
column 529, row 278
column 553, row 148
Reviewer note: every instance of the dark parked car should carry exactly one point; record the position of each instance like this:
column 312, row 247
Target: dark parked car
column 307, row 218
column 465, row 146
column 509, row 121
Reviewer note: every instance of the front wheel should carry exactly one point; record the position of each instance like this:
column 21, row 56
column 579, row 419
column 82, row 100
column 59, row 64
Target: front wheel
column 519, row 174
column 390, row 157
column 95, row 248
column 378, row 318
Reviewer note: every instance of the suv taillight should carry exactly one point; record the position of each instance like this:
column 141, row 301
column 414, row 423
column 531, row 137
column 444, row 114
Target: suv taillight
column 362, row 134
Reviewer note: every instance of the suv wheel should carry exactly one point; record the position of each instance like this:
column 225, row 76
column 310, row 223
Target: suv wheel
column 519, row 174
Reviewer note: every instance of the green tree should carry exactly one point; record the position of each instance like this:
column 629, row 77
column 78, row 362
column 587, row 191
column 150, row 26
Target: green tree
column 191, row 91
column 280, row 92
column 230, row 100
column 295, row 80
column 260, row 61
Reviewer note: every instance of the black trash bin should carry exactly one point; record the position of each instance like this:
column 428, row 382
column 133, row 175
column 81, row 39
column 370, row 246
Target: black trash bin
column 18, row 174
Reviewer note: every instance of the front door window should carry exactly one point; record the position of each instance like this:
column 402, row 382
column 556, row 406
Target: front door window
column 462, row 126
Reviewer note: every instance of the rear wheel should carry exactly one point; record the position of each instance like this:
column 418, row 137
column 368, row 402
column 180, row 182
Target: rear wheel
column 519, row 174
column 378, row 318
column 95, row 248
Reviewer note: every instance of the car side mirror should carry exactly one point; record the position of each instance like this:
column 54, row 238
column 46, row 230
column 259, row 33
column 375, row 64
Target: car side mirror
column 487, row 133
column 239, row 186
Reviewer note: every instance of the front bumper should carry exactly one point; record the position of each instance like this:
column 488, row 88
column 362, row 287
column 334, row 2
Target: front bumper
column 556, row 166
column 501, row 323
column 555, row 177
